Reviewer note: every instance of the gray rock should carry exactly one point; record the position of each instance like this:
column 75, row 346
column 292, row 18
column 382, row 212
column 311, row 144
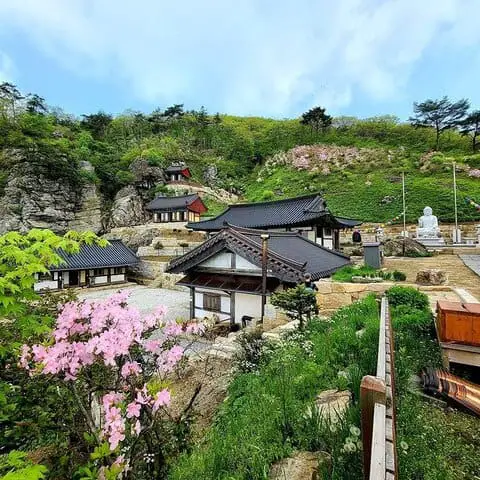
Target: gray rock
column 300, row 466
column 33, row 199
column 128, row 208
column 210, row 175
column 393, row 247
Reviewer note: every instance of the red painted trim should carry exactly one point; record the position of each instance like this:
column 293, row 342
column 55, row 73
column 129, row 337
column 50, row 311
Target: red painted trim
column 197, row 206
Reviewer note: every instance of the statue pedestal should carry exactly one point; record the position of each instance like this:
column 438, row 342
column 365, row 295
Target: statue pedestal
column 431, row 241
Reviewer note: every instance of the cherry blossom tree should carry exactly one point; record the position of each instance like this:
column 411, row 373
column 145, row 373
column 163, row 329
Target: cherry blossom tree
column 117, row 363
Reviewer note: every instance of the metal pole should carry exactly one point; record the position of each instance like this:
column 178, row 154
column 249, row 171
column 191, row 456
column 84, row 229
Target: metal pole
column 264, row 238
column 455, row 200
column 404, row 213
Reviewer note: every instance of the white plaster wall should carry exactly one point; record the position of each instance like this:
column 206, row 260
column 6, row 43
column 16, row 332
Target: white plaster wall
column 224, row 305
column 66, row 278
column 246, row 304
column 311, row 235
column 220, row 260
column 244, row 264
column 100, row 280
column 45, row 285
column 118, row 278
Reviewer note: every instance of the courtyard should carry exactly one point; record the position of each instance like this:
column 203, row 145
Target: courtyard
column 146, row 299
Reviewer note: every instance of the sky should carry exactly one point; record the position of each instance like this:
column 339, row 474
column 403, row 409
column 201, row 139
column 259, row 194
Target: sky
column 275, row 58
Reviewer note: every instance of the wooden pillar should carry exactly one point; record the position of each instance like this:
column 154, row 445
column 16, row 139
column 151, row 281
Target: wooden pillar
column 372, row 391
column 232, row 308
column 192, row 303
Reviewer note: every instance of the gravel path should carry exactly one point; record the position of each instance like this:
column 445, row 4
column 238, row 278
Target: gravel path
column 146, row 299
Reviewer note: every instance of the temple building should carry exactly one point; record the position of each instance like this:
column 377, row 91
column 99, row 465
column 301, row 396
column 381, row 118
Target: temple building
column 224, row 274
column 185, row 208
column 92, row 266
column 307, row 215
column 178, row 172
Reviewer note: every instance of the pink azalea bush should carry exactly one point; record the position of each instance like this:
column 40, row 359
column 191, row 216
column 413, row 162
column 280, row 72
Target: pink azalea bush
column 116, row 338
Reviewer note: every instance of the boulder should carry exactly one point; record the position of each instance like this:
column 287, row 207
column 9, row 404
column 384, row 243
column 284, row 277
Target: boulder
column 431, row 277
column 393, row 247
column 128, row 208
column 300, row 466
column 332, row 404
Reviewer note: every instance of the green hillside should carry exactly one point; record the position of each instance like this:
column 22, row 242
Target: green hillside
column 358, row 167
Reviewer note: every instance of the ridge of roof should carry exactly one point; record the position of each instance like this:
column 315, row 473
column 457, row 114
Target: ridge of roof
column 252, row 231
column 272, row 202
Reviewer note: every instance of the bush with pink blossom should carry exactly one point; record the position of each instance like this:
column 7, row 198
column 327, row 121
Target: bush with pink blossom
column 118, row 373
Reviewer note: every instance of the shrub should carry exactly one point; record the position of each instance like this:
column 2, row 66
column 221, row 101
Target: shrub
column 407, row 296
column 254, row 349
column 299, row 303
column 158, row 245
column 267, row 195
column 399, row 276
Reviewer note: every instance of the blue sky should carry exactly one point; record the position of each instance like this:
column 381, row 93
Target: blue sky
column 247, row 57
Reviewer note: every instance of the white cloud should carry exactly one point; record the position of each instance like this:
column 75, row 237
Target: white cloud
column 6, row 67
column 248, row 56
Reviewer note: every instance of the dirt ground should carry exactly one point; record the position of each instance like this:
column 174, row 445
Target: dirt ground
column 459, row 275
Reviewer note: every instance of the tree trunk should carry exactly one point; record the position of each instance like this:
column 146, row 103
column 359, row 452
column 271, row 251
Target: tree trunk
column 474, row 141
column 437, row 139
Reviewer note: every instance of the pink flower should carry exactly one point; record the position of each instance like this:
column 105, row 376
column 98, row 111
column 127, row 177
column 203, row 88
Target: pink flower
column 133, row 410
column 25, row 357
column 131, row 368
column 137, row 428
column 162, row 398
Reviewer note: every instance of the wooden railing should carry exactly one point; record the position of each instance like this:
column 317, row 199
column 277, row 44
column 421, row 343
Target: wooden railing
column 377, row 401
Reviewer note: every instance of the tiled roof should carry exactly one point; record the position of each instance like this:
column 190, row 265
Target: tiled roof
column 169, row 204
column 290, row 212
column 116, row 254
column 174, row 168
column 290, row 255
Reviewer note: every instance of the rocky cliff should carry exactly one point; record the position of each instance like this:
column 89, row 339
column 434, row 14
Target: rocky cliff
column 34, row 200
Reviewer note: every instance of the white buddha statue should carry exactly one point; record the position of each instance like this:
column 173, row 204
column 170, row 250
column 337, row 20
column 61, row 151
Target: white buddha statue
column 428, row 225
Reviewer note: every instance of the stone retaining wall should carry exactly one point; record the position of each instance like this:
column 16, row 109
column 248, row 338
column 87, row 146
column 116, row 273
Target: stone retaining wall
column 333, row 295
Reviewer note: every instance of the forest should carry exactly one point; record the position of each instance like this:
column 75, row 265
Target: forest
column 246, row 150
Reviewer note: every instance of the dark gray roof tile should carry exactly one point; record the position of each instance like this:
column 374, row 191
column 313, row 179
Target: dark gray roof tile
column 116, row 254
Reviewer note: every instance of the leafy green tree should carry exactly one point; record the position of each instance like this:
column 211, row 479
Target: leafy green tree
column 316, row 119
column 439, row 114
column 471, row 126
column 174, row 112
column 97, row 124
column 9, row 96
column 29, row 407
column 35, row 104
column 299, row 303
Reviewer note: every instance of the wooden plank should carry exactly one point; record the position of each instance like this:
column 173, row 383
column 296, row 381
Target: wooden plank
column 372, row 392
column 389, row 457
column 389, row 429
column 381, row 342
column 463, row 357
column 460, row 346
column 378, row 457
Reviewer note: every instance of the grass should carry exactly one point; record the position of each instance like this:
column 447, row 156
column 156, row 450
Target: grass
column 374, row 195
column 347, row 273
column 433, row 443
column 261, row 421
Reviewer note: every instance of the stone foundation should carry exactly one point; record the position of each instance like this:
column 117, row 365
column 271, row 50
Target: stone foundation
column 333, row 295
